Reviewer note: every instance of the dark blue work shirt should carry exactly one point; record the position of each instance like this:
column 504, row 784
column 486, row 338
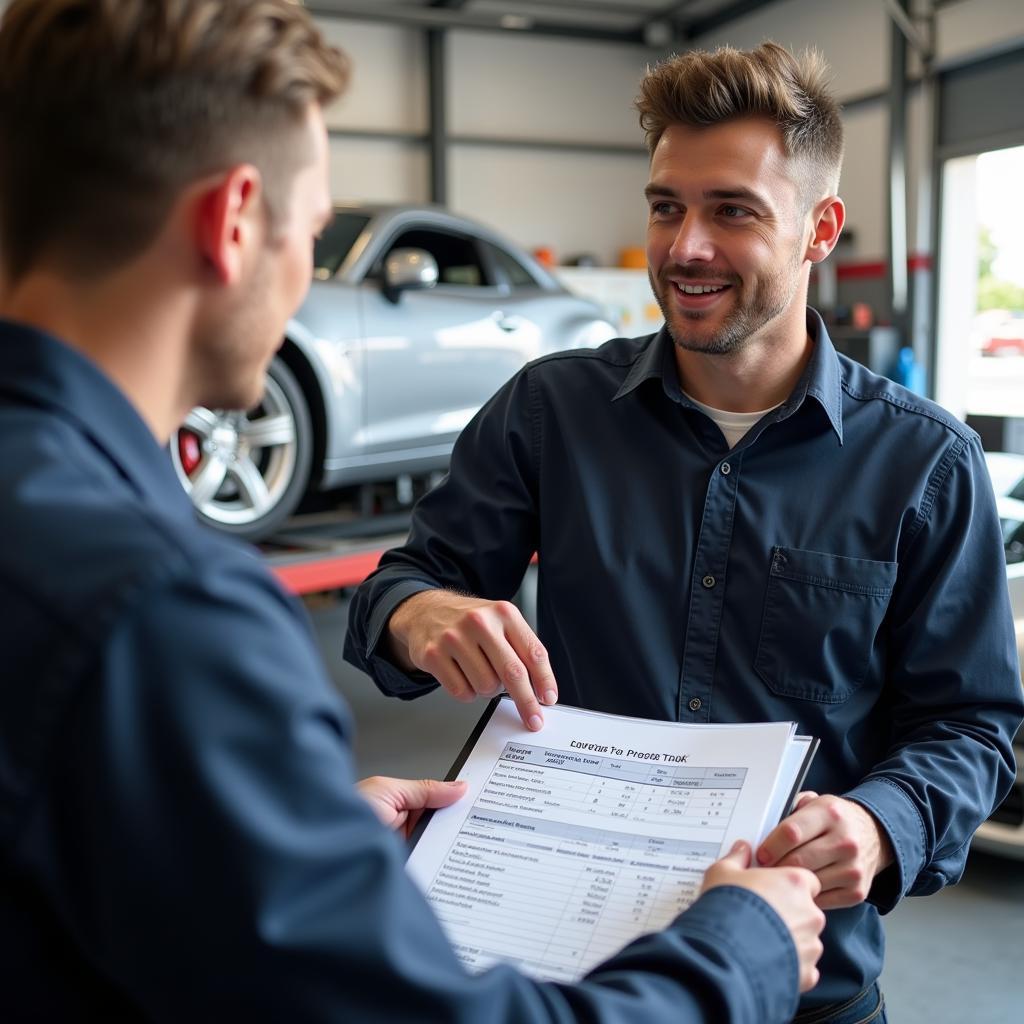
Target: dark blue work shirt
column 180, row 839
column 841, row 567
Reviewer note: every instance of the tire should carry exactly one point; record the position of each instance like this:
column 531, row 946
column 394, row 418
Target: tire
column 246, row 471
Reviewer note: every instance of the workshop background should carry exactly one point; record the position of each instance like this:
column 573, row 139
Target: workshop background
column 519, row 116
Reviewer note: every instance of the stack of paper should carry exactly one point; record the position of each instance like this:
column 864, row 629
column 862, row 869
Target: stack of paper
column 573, row 841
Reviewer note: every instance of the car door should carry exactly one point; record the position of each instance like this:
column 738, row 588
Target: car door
column 436, row 355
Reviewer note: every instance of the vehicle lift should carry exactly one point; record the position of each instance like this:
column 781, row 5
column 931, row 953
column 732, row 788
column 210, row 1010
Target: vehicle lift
column 337, row 548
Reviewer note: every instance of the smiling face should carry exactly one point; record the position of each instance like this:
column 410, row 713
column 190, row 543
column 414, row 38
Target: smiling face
column 727, row 234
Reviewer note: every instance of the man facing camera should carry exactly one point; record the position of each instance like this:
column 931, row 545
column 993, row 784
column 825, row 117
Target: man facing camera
column 180, row 834
column 735, row 524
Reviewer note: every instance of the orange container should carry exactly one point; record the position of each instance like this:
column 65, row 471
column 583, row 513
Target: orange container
column 633, row 257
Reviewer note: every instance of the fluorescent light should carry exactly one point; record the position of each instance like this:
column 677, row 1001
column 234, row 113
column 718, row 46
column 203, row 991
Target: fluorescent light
column 516, row 21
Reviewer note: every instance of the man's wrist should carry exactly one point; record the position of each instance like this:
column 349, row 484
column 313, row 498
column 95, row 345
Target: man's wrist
column 884, row 856
column 395, row 641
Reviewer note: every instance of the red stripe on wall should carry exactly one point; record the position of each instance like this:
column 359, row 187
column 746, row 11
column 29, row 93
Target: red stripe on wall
column 878, row 268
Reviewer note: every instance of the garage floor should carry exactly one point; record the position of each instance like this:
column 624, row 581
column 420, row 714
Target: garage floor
column 954, row 958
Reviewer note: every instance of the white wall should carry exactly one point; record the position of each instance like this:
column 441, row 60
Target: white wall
column 378, row 170
column 972, row 26
column 572, row 202
column 545, row 89
column 387, row 91
column 542, row 88
column 863, row 179
column 852, row 34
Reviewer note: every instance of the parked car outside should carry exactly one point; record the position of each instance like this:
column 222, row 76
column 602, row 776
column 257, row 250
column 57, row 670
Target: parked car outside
column 415, row 317
column 1006, row 338
column 1003, row 833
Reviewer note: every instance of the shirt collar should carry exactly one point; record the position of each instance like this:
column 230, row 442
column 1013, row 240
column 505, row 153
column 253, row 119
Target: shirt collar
column 650, row 362
column 821, row 380
column 41, row 370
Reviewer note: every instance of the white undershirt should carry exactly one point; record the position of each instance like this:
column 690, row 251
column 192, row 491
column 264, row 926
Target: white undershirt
column 734, row 425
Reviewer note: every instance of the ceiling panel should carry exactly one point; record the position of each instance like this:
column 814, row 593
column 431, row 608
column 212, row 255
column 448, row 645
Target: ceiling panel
column 657, row 22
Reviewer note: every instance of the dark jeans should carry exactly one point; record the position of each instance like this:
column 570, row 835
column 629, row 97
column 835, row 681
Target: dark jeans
column 867, row 1007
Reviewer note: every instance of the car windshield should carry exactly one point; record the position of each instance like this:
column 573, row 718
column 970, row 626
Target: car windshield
column 334, row 243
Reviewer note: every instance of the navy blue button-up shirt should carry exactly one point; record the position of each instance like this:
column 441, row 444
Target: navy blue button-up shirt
column 841, row 567
column 180, row 839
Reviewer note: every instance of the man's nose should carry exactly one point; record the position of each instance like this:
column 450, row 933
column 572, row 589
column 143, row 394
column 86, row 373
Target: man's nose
column 692, row 242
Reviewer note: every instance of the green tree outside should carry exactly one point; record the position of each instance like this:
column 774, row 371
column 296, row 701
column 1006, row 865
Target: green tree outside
column 994, row 292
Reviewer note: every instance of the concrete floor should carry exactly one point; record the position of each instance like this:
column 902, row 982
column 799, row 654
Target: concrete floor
column 953, row 958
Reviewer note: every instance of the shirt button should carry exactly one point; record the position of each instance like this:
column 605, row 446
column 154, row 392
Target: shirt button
column 695, row 703
column 708, row 581
column 726, row 469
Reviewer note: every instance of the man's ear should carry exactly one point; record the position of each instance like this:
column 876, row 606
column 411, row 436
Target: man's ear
column 228, row 221
column 827, row 217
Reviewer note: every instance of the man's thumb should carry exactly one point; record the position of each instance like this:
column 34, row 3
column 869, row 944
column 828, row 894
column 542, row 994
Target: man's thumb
column 441, row 794
column 738, row 856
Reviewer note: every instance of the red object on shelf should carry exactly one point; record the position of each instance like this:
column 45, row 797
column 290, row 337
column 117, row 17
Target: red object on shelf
column 545, row 256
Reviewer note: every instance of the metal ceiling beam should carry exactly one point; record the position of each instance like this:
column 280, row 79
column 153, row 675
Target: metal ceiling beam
column 901, row 16
column 665, row 27
column 897, row 177
column 437, row 66
column 701, row 26
column 440, row 18
column 671, row 12
column 594, row 7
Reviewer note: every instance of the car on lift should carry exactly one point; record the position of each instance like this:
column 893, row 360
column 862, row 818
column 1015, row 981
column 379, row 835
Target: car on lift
column 415, row 317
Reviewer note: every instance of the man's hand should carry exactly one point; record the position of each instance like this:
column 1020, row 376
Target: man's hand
column 474, row 647
column 789, row 892
column 838, row 840
column 399, row 803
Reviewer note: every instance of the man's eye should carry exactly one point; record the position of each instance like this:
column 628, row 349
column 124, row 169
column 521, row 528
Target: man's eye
column 732, row 212
column 662, row 209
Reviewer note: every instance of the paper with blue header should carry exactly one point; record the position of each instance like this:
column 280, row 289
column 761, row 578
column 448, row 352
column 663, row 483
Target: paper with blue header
column 573, row 841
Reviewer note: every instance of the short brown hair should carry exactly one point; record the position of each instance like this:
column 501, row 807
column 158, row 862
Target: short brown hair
column 701, row 88
column 109, row 108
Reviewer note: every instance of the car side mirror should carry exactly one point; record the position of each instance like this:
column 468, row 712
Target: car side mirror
column 408, row 270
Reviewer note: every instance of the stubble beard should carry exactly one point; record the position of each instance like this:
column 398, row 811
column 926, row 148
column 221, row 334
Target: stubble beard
column 231, row 356
column 770, row 299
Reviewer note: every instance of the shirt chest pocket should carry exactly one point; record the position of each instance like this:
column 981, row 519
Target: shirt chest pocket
column 822, row 613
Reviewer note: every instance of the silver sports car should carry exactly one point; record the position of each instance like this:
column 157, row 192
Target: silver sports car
column 414, row 319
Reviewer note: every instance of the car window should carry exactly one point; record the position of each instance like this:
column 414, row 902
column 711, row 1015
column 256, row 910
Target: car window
column 335, row 242
column 507, row 267
column 458, row 259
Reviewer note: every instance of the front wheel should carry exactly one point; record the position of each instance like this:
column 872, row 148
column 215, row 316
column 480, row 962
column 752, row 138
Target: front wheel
column 245, row 471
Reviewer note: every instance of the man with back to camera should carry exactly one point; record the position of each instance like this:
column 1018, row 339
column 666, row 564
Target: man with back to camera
column 180, row 838
column 734, row 523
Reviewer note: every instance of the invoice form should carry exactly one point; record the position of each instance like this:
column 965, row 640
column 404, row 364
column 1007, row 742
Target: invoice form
column 575, row 840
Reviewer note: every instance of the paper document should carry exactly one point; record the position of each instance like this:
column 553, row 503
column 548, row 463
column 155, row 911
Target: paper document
column 573, row 841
